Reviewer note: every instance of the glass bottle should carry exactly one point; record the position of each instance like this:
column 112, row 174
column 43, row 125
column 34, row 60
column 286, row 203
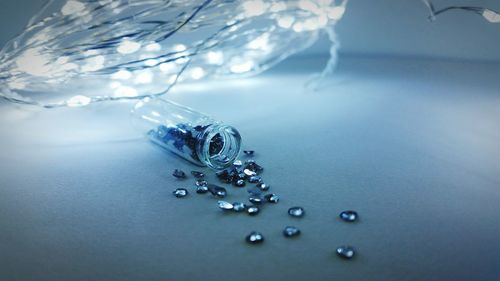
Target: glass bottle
column 191, row 135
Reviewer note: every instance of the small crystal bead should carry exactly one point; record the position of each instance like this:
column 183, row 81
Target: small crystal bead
column 253, row 210
column 349, row 216
column 225, row 205
column 346, row 252
column 291, row 231
column 296, row 211
column 180, row 192
column 179, row 174
column 255, row 237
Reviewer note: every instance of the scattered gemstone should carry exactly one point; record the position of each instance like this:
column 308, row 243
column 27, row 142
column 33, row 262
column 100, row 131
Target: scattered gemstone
column 224, row 176
column 349, row 216
column 201, row 183
column 239, row 183
column 217, row 190
column 237, row 163
column 180, row 192
column 202, row 189
column 249, row 172
column 253, row 210
column 291, row 231
column 272, row 198
column 296, row 211
column 248, row 152
column 179, row 174
column 255, row 237
column 239, row 207
column 253, row 166
column 254, row 179
column 225, row 205
column 256, row 199
column 262, row 186
column 346, row 252
column 198, row 175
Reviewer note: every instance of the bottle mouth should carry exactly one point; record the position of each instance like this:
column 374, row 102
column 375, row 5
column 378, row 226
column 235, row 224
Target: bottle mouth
column 220, row 146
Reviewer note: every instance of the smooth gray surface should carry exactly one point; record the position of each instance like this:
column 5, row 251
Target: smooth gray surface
column 381, row 27
column 413, row 146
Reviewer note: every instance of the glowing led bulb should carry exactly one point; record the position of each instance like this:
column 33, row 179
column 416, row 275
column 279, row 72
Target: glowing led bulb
column 77, row 101
column 128, row 47
column 197, row 73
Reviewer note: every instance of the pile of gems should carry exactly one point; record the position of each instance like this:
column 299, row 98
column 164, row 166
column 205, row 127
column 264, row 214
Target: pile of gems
column 248, row 172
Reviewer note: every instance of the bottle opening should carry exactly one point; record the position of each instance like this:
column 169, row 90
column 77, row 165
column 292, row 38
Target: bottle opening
column 221, row 146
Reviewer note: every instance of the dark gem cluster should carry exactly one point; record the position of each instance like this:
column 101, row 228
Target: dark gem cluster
column 239, row 175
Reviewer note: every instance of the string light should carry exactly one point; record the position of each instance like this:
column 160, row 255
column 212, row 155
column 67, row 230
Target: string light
column 148, row 46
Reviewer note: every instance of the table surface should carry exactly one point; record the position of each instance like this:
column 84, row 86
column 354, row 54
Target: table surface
column 412, row 145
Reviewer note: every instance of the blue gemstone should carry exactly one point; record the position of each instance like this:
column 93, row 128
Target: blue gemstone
column 198, row 175
column 248, row 152
column 255, row 237
column 249, row 173
column 349, row 216
column 296, row 211
column 253, row 210
column 262, row 186
column 346, row 252
column 217, row 190
column 201, row 183
column 291, row 231
column 180, row 192
column 239, row 183
column 225, row 205
column 271, row 198
column 256, row 199
column 179, row 174
column 202, row 189
column 254, row 179
column 239, row 207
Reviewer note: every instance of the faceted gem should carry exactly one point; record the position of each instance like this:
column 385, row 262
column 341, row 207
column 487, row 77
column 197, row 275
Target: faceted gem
column 262, row 186
column 201, row 183
column 180, row 192
column 216, row 144
column 239, row 207
column 254, row 179
column 237, row 163
column 296, row 211
column 255, row 237
column 291, row 231
column 271, row 198
column 256, row 199
column 349, row 216
column 346, row 252
column 249, row 152
column 249, row 172
column 224, row 176
column 179, row 174
column 202, row 189
column 239, row 183
column 253, row 166
column 253, row 210
column 217, row 190
column 225, row 205
column 198, row 175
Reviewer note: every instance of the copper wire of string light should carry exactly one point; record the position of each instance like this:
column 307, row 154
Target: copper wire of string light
column 78, row 52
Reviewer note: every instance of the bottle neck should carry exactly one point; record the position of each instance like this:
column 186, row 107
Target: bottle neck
column 218, row 146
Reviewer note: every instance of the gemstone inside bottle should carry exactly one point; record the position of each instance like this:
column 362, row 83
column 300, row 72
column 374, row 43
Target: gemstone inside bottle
column 191, row 135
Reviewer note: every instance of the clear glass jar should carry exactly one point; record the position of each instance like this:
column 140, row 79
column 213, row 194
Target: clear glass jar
column 188, row 133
